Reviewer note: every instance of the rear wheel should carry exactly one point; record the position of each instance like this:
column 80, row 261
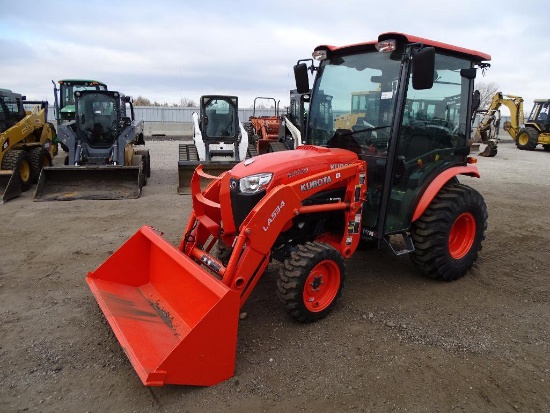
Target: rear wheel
column 19, row 161
column 546, row 147
column 311, row 281
column 448, row 236
column 40, row 158
column 527, row 139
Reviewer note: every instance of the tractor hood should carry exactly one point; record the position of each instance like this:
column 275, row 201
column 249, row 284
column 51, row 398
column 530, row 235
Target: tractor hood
column 289, row 166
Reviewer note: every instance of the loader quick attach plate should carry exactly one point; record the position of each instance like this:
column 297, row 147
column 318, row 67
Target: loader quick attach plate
column 175, row 321
column 67, row 183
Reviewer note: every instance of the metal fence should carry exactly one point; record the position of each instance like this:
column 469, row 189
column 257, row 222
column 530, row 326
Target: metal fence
column 172, row 115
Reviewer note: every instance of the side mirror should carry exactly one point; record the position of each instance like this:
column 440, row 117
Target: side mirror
column 423, row 68
column 302, row 80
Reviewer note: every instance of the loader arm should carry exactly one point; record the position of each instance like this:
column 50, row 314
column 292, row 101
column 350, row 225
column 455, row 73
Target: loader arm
column 271, row 216
column 514, row 105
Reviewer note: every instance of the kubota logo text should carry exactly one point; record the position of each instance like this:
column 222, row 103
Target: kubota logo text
column 338, row 165
column 314, row 184
column 274, row 215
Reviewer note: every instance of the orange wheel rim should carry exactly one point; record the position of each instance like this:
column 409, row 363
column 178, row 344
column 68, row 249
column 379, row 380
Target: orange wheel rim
column 322, row 285
column 462, row 235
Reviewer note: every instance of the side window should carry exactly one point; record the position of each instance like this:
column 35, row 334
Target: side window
column 433, row 123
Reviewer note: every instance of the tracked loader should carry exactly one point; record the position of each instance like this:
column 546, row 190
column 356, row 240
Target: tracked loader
column 102, row 160
column 26, row 143
column 175, row 311
column 219, row 140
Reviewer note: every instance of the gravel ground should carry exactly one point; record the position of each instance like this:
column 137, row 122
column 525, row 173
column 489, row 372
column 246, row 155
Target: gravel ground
column 397, row 342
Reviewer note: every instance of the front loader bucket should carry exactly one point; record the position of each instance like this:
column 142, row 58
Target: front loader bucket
column 66, row 183
column 186, row 169
column 10, row 186
column 176, row 322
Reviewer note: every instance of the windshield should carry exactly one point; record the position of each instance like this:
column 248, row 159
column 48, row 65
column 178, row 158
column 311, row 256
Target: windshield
column 68, row 90
column 353, row 91
column 98, row 119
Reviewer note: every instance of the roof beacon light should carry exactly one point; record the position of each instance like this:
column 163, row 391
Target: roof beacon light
column 386, row 46
column 319, row 54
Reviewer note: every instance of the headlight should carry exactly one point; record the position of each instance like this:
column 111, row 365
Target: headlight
column 254, row 183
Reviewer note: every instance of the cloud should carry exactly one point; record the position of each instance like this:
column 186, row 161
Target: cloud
column 172, row 49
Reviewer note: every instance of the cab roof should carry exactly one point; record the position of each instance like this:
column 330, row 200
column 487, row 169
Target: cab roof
column 81, row 81
column 406, row 38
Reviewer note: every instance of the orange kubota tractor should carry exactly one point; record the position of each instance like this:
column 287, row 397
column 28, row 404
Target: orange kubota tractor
column 175, row 311
column 264, row 130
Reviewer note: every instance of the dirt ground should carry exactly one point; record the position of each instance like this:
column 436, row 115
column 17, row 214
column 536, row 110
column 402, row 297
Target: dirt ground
column 397, row 342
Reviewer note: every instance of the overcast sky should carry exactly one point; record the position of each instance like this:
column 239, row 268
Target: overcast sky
column 168, row 50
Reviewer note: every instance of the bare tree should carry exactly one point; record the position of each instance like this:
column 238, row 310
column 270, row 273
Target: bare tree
column 141, row 101
column 486, row 92
column 187, row 103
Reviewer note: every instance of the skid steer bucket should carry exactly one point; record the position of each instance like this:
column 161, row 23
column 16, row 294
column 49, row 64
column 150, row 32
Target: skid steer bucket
column 176, row 322
column 66, row 183
column 10, row 187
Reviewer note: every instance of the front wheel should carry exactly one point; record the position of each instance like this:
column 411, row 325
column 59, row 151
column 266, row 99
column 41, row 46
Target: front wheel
column 311, row 281
column 448, row 236
column 19, row 162
column 40, row 158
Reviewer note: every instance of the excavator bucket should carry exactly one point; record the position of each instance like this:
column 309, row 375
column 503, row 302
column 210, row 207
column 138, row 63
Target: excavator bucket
column 176, row 322
column 66, row 183
column 10, row 186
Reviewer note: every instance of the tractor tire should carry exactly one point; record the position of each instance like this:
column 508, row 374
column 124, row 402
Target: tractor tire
column 224, row 252
column 40, row 158
column 188, row 152
column 251, row 151
column 311, row 281
column 448, row 236
column 527, row 139
column 146, row 156
column 277, row 147
column 19, row 161
column 252, row 137
column 148, row 164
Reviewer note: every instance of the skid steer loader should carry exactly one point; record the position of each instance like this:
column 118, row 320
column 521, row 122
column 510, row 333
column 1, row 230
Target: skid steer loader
column 175, row 311
column 26, row 143
column 102, row 160
column 64, row 99
column 219, row 140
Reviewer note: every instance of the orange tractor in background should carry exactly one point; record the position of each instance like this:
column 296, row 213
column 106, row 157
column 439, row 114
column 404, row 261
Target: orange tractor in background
column 264, row 131
column 393, row 181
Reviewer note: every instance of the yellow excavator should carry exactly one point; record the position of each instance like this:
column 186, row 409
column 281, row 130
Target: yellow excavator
column 526, row 134
column 26, row 143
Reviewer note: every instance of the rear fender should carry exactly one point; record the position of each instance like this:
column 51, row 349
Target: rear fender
column 435, row 186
